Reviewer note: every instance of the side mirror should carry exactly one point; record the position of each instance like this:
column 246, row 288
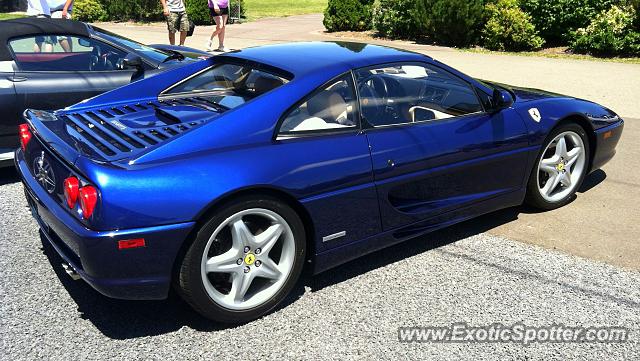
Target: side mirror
column 84, row 42
column 132, row 61
column 501, row 99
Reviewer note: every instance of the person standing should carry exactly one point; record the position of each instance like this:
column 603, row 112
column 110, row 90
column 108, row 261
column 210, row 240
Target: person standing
column 61, row 9
column 177, row 20
column 219, row 11
column 40, row 9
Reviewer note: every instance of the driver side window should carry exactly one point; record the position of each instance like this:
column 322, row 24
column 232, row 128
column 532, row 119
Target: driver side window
column 409, row 93
column 64, row 53
column 330, row 108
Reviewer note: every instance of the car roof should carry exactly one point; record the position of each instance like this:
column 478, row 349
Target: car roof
column 303, row 58
column 14, row 28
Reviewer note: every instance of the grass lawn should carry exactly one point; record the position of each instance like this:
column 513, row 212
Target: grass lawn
column 7, row 16
column 265, row 8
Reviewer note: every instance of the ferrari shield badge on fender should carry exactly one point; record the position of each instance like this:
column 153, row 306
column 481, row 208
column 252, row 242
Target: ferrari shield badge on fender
column 535, row 114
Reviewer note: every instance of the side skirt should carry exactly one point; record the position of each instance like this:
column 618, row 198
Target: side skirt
column 342, row 254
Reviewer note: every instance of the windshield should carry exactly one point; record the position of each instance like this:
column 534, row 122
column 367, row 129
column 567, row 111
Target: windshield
column 228, row 85
column 154, row 54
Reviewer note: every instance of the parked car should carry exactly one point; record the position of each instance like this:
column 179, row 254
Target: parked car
column 228, row 176
column 51, row 63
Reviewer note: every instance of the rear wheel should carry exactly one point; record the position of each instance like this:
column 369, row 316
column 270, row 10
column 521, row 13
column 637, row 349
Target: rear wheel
column 560, row 168
column 244, row 261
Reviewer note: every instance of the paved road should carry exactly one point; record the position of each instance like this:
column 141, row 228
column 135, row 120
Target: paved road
column 602, row 223
column 352, row 312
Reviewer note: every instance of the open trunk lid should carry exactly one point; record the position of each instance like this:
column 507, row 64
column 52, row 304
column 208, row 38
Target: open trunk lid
column 114, row 133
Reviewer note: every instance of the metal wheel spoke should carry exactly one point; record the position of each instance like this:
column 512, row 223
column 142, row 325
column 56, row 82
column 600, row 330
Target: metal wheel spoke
column 269, row 269
column 267, row 239
column 240, row 285
column 566, row 179
column 240, row 234
column 552, row 183
column 573, row 155
column 561, row 147
column 224, row 263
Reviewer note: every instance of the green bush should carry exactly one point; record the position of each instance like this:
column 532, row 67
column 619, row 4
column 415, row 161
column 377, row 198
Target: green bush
column 198, row 10
column 138, row 10
column 396, row 18
column 509, row 28
column 348, row 15
column 556, row 19
column 88, row 10
column 610, row 33
column 451, row 22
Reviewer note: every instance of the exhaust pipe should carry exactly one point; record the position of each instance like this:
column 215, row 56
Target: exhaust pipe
column 71, row 271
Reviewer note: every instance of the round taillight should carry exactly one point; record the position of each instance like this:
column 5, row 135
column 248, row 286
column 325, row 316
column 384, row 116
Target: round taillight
column 88, row 200
column 71, row 189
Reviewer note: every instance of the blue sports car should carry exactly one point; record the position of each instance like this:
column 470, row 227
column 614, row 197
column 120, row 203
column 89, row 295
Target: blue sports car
column 225, row 178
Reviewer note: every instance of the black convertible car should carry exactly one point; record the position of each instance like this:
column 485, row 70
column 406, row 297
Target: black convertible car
column 51, row 63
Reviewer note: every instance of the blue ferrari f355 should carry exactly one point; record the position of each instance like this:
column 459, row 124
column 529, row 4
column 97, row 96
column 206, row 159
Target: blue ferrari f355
column 225, row 178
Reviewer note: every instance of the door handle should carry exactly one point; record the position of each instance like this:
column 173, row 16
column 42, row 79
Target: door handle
column 391, row 163
column 17, row 79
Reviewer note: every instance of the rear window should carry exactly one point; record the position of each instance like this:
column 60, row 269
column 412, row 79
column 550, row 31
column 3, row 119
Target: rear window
column 229, row 85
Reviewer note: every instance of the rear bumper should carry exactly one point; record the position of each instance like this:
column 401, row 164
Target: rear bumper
column 606, row 141
column 140, row 273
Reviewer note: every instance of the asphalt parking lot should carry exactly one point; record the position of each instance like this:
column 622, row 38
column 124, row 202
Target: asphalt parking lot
column 352, row 312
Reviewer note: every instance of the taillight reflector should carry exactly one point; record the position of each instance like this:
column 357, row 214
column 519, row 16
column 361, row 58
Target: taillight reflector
column 88, row 200
column 131, row 243
column 25, row 135
column 71, row 188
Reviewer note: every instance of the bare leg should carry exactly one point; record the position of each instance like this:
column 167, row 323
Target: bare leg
column 65, row 44
column 218, row 20
column 183, row 37
column 221, row 22
column 172, row 38
column 223, row 31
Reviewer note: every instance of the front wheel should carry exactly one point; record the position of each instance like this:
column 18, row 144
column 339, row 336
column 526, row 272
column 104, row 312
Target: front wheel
column 560, row 168
column 244, row 261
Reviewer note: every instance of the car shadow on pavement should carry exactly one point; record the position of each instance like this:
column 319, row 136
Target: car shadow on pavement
column 592, row 180
column 121, row 319
column 8, row 175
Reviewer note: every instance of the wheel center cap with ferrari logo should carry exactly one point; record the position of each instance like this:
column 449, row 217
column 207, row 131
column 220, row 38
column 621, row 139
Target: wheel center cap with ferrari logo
column 560, row 167
column 249, row 259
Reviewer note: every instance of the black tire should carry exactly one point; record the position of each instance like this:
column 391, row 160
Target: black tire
column 533, row 197
column 189, row 280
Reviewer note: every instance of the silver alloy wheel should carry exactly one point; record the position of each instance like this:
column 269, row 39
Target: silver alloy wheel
column 561, row 166
column 262, row 258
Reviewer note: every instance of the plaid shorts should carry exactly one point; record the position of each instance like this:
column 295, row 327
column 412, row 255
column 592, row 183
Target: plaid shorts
column 177, row 22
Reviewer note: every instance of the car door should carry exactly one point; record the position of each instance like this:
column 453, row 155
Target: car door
column 330, row 159
column 8, row 111
column 55, row 71
column 433, row 148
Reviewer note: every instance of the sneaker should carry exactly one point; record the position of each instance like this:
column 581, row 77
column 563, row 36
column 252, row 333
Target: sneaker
column 209, row 45
column 223, row 49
